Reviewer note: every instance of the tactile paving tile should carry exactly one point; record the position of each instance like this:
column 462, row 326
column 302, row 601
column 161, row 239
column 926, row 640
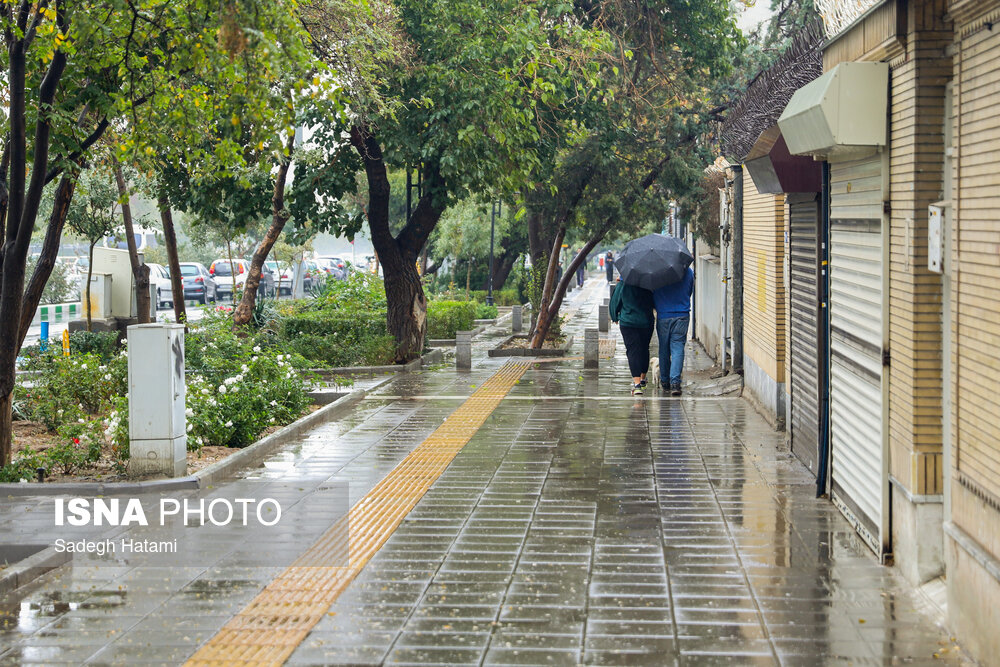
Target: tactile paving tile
column 275, row 622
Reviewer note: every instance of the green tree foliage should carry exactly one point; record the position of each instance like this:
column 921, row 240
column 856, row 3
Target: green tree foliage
column 93, row 215
column 648, row 138
column 479, row 105
column 75, row 69
column 463, row 235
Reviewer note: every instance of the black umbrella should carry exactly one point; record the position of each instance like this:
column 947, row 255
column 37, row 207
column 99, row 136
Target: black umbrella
column 654, row 261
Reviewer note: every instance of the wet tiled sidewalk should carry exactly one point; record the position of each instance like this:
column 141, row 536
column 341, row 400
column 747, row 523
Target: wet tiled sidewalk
column 578, row 526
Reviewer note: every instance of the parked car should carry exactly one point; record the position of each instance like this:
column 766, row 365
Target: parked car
column 315, row 276
column 198, row 283
column 223, row 271
column 334, row 267
column 159, row 276
column 284, row 276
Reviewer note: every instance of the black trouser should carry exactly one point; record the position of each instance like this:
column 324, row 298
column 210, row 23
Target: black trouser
column 637, row 348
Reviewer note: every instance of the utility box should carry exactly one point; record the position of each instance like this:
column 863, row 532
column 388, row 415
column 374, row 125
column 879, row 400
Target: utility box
column 100, row 297
column 156, row 392
column 116, row 263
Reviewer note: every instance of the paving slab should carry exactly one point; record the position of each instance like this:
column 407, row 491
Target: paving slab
column 578, row 525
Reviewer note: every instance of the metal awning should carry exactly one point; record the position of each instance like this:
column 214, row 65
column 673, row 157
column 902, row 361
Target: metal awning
column 774, row 170
column 841, row 115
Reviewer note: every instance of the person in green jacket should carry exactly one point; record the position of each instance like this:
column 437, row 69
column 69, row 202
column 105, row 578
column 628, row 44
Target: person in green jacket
column 632, row 308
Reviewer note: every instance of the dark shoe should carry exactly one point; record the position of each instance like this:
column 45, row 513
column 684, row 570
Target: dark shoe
column 642, row 384
column 637, row 390
column 675, row 390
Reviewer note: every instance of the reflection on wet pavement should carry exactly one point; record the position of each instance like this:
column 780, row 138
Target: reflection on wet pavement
column 569, row 530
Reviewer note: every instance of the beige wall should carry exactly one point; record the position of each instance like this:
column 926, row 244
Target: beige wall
column 764, row 281
column 974, row 539
column 916, row 180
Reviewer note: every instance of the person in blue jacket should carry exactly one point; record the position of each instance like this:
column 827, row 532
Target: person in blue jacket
column 632, row 308
column 673, row 314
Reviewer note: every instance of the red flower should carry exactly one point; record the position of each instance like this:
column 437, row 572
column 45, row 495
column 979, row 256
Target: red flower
column 76, row 441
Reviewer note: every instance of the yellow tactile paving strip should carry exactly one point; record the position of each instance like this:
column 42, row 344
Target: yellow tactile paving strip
column 274, row 623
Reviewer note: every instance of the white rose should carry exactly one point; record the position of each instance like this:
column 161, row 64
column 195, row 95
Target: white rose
column 256, row 348
column 222, row 389
column 189, row 412
column 228, row 424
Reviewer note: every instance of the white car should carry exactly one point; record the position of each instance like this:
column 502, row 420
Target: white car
column 159, row 276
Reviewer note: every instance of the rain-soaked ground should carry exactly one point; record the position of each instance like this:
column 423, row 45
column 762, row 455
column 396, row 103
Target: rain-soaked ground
column 577, row 526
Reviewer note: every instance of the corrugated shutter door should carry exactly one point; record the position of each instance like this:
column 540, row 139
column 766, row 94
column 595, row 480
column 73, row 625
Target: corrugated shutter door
column 803, row 242
column 856, row 344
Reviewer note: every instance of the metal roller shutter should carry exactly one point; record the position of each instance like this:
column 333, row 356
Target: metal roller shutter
column 857, row 467
column 804, row 359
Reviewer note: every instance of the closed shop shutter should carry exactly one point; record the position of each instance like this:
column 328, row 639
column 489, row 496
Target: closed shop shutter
column 804, row 358
column 857, row 467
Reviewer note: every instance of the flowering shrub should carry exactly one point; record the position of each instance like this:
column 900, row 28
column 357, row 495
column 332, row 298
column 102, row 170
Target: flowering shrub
column 67, row 389
column 237, row 388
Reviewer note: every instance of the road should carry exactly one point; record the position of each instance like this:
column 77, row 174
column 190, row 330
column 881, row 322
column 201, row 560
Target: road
column 195, row 312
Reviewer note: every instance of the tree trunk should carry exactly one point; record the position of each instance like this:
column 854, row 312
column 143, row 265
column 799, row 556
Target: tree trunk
column 547, row 316
column 279, row 216
column 139, row 271
column 173, row 260
column 47, row 258
column 468, row 276
column 406, row 316
column 6, row 427
column 232, row 270
column 90, row 274
column 17, row 308
column 503, row 270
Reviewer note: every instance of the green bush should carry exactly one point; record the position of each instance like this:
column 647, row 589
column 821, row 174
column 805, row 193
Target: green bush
column 507, row 297
column 360, row 291
column 484, row 312
column 102, row 343
column 68, row 389
column 350, row 326
column 238, row 387
column 444, row 318
column 331, row 351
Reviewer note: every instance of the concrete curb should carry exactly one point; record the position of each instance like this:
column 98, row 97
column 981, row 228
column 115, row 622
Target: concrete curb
column 560, row 351
column 32, row 567
column 450, row 342
column 432, row 357
column 408, row 367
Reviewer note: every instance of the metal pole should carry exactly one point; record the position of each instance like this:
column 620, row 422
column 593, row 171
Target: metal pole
column 493, row 224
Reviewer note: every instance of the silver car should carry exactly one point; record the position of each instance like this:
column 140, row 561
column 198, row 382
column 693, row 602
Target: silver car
column 159, row 276
column 198, row 283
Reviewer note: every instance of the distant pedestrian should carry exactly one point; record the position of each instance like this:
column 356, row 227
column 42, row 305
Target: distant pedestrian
column 581, row 271
column 673, row 313
column 609, row 264
column 600, row 261
column 632, row 308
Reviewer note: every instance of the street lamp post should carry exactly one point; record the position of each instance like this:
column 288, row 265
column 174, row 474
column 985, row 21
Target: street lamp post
column 494, row 211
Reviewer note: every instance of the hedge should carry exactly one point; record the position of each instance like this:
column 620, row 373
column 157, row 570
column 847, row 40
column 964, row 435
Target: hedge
column 338, row 338
column 444, row 318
